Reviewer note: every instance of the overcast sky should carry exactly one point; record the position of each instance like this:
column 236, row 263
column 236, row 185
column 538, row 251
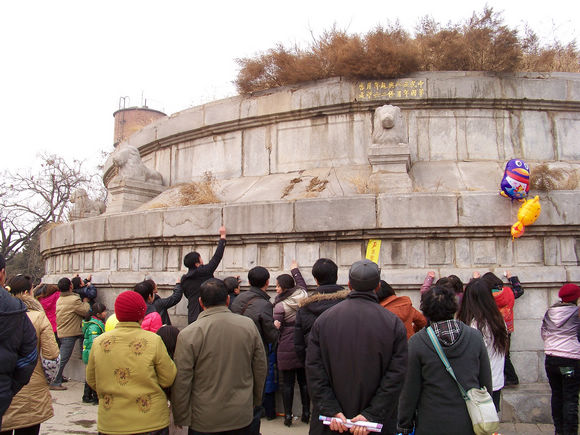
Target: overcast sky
column 65, row 64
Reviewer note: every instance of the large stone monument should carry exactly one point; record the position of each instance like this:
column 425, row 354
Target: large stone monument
column 317, row 170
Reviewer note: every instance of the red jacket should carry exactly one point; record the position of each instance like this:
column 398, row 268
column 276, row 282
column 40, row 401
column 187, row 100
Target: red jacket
column 402, row 307
column 504, row 300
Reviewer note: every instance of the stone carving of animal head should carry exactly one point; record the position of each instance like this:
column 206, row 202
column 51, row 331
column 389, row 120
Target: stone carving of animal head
column 389, row 126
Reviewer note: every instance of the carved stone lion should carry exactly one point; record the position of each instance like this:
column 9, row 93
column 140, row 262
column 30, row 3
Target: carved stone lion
column 84, row 206
column 388, row 126
column 128, row 163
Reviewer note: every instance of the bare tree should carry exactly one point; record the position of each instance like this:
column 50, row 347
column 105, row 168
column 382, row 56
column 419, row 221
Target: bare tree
column 31, row 200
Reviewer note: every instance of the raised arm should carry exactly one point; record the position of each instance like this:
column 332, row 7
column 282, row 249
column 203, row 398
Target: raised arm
column 298, row 278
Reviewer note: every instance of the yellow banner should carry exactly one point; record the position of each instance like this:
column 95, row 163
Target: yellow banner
column 373, row 250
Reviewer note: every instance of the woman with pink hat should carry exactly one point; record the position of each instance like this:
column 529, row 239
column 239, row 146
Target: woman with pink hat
column 560, row 334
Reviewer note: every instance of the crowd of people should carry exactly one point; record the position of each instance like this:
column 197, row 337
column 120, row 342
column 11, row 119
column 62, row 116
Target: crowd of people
column 363, row 357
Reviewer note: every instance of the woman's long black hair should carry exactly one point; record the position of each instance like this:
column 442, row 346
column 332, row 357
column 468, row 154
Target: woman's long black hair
column 478, row 304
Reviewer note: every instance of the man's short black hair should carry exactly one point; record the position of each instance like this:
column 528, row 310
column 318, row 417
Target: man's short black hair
column 231, row 283
column 213, row 293
column 2, row 262
column 76, row 282
column 191, row 259
column 325, row 271
column 64, row 284
column 144, row 288
column 258, row 276
column 439, row 303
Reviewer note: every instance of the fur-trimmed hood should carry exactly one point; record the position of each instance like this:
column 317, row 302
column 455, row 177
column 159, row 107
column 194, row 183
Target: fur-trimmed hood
column 31, row 303
column 317, row 297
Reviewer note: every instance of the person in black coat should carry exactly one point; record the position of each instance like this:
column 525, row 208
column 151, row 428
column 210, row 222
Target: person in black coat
column 197, row 274
column 357, row 358
column 430, row 397
column 327, row 295
column 255, row 304
column 18, row 351
column 163, row 304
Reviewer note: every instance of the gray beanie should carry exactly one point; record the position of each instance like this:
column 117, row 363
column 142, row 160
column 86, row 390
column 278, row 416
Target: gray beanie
column 364, row 276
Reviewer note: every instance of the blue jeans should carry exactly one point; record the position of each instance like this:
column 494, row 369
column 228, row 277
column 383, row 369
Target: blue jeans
column 67, row 344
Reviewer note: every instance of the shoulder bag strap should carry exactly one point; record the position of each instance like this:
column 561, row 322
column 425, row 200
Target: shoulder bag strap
column 248, row 304
column 444, row 360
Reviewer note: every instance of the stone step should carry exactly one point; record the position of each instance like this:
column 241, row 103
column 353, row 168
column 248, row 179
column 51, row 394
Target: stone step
column 526, row 403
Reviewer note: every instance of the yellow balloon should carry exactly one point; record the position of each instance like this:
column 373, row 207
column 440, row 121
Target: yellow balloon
column 529, row 211
column 111, row 323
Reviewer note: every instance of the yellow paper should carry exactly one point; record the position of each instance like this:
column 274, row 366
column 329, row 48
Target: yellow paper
column 373, row 250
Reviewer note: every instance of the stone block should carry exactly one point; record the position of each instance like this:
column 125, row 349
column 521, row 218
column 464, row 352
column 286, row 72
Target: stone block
column 480, row 209
column 567, row 127
column 145, row 258
column 328, row 250
column 540, row 274
column 127, row 226
column 180, row 122
column 256, row 146
column 462, row 252
column 568, row 253
column 532, row 305
column 393, row 253
column 173, row 260
column 527, row 405
column 192, row 221
column 76, row 261
column 88, row 261
column 439, row 252
column 529, row 251
column 335, row 214
column 411, row 278
column 250, row 256
column 349, row 253
column 537, row 140
column 233, row 258
column 124, row 259
column 560, row 208
column 307, row 254
column 526, row 365
column 269, row 256
column 271, row 217
column 505, row 252
column 551, row 251
column 61, row 235
column 480, row 175
column 483, row 252
column 325, row 141
column 528, row 338
column 573, row 274
column 327, row 93
column 89, row 230
column 481, row 133
column 417, row 210
column 220, row 111
column 433, row 176
column 104, row 259
column 416, row 253
column 442, row 128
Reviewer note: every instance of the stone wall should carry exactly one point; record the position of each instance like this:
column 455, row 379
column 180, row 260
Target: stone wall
column 449, row 218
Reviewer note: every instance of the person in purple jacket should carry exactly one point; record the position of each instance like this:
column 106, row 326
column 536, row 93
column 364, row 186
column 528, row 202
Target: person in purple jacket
column 560, row 334
column 291, row 290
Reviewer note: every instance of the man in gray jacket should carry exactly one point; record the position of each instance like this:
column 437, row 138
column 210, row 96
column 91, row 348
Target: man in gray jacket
column 221, row 368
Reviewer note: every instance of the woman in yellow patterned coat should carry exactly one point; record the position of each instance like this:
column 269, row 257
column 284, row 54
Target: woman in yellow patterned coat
column 128, row 368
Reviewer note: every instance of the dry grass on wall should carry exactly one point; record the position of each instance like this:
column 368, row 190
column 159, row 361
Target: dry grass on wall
column 481, row 43
column 201, row 192
column 545, row 178
column 363, row 185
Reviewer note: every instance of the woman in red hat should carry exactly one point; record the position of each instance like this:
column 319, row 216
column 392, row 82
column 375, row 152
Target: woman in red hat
column 560, row 329
column 128, row 368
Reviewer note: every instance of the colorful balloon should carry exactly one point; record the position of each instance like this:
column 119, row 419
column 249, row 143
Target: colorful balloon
column 527, row 215
column 515, row 183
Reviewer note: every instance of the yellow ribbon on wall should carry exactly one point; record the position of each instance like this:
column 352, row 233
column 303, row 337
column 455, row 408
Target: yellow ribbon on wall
column 373, row 250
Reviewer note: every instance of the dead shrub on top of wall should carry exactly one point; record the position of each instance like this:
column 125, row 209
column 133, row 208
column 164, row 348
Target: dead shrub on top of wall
column 481, row 43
